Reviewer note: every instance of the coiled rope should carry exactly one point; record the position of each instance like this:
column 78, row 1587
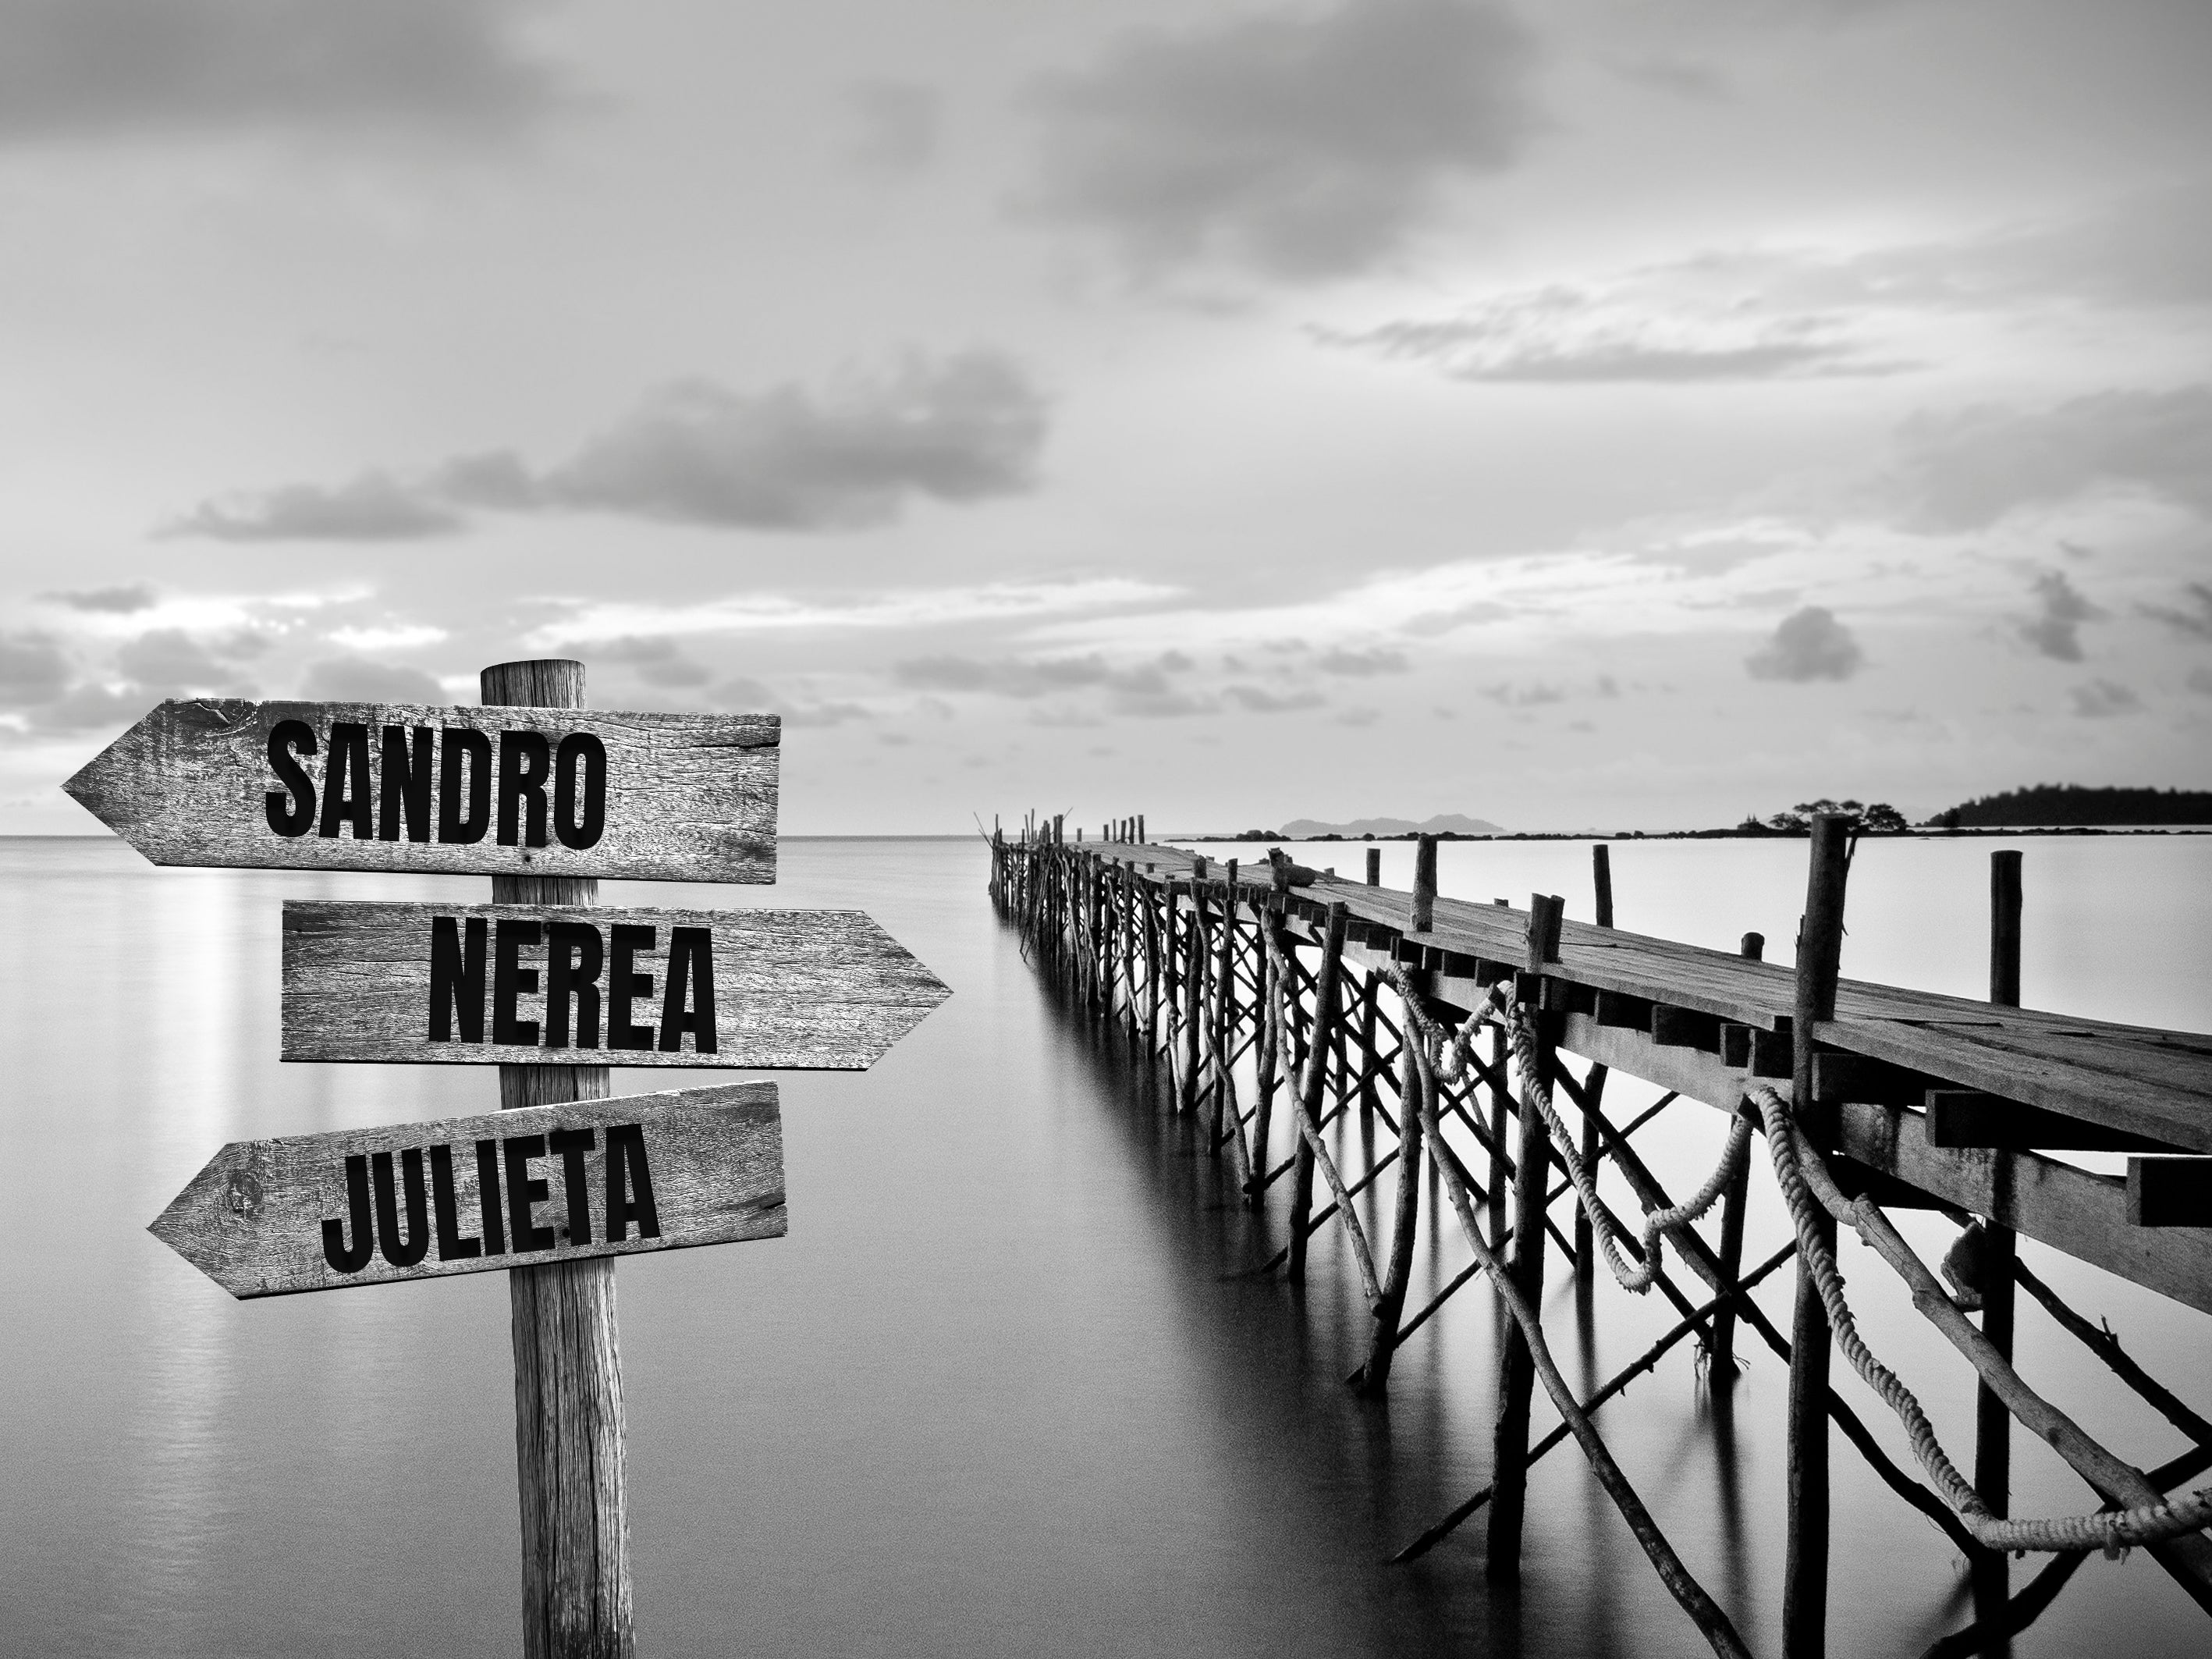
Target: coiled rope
column 2112, row 1531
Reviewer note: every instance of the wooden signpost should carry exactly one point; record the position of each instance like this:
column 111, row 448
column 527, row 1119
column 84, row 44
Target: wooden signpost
column 545, row 798
column 450, row 984
column 486, row 791
column 422, row 1201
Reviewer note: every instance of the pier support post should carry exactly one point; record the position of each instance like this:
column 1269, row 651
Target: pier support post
column 1820, row 953
column 1992, row 1422
column 1313, row 1079
column 1194, row 1002
column 1268, row 1050
column 1593, row 1148
column 567, row 1371
column 1375, row 1375
column 1500, row 1107
column 1721, row 1364
column 1517, row 1364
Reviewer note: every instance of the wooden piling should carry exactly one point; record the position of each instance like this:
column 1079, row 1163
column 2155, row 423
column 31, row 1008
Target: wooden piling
column 1374, row 867
column 1267, row 1056
column 570, row 1472
column 1517, row 1366
column 1585, row 1252
column 1314, row 1078
column 2001, row 1244
column 1374, row 1376
column 1193, row 991
column 1501, row 1105
column 1425, row 884
column 1820, row 953
column 1722, row 1365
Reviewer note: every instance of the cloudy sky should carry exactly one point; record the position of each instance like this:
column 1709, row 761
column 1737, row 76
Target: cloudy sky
column 1609, row 412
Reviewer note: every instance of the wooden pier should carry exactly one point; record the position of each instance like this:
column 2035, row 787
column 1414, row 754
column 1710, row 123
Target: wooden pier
column 1277, row 1000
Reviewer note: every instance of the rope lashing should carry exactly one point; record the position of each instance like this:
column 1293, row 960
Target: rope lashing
column 2112, row 1531
column 1635, row 1278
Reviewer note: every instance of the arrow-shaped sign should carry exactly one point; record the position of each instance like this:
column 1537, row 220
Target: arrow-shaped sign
column 397, row 787
column 530, row 984
column 511, row 1189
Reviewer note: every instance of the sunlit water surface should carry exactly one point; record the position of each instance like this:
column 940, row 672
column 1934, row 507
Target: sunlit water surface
column 997, row 1392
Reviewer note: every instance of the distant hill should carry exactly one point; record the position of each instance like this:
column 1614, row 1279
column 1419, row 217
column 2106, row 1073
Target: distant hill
column 2070, row 803
column 1444, row 823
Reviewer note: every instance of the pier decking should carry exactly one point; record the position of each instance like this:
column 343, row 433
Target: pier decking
column 1335, row 992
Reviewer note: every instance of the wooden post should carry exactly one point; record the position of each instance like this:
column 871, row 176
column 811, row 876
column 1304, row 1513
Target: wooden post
column 1425, row 884
column 568, row 1372
column 1313, row 1079
column 1722, row 1365
column 1500, row 1107
column 1374, row 867
column 1369, row 1099
column 1805, row 1570
column 1585, row 1252
column 1268, row 1057
column 1194, row 1001
column 1992, row 1422
column 1375, row 1375
column 1516, row 1361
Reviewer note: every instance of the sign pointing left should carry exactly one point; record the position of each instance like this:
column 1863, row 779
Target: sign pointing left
column 515, row 1189
column 499, row 791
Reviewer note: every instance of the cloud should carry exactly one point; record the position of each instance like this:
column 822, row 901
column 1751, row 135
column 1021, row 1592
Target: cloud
column 1966, row 471
column 1252, row 700
column 1427, row 625
column 373, row 507
column 897, row 126
column 1378, row 659
column 356, row 679
column 878, row 608
column 168, row 662
column 2100, row 699
column 961, row 428
column 1141, row 688
column 391, row 636
column 1809, row 645
column 1300, row 144
column 1562, row 335
column 2196, row 623
column 114, row 601
column 1523, row 696
column 2054, row 631
column 76, row 70
column 34, row 670
column 657, row 661
column 2200, row 681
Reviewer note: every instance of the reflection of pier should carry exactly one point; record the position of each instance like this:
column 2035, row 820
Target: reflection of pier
column 1450, row 1023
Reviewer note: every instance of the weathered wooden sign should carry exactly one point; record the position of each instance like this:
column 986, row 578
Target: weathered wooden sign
column 397, row 787
column 529, row 984
column 510, row 1189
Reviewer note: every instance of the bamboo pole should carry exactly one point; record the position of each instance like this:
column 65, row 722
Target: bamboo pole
column 570, row 1472
column 1312, row 1079
column 1805, row 1569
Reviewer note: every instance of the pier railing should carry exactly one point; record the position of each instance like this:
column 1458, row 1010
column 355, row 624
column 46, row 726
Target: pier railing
column 1279, row 1003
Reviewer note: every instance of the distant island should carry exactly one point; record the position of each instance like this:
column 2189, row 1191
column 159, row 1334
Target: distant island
column 1444, row 823
column 2047, row 804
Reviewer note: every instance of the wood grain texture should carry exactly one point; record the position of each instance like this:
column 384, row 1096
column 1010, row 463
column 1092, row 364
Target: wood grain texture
column 689, row 797
column 793, row 989
column 253, row 1219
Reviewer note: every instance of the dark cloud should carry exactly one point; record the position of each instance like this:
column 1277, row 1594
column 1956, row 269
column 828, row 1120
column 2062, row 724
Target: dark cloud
column 961, row 428
column 1378, row 659
column 356, row 679
column 1303, row 144
column 115, row 601
column 2196, row 621
column 74, row 69
column 897, row 126
column 2055, row 630
column 168, row 662
column 2101, row 699
column 34, row 670
column 2200, row 681
column 1809, row 645
column 373, row 507
column 1966, row 471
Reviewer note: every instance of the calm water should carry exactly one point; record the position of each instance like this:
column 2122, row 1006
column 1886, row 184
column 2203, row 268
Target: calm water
column 995, row 1394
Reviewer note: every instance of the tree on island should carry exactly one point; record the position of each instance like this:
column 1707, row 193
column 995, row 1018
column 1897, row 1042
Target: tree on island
column 1879, row 819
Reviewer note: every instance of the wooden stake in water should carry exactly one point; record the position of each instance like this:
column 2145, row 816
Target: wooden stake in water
column 1992, row 1421
column 1805, row 1570
column 568, row 1372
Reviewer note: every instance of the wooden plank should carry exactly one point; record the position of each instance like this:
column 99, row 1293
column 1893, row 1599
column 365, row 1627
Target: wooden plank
column 442, row 984
column 1967, row 1117
column 400, row 786
column 277, row 1218
column 2170, row 1192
